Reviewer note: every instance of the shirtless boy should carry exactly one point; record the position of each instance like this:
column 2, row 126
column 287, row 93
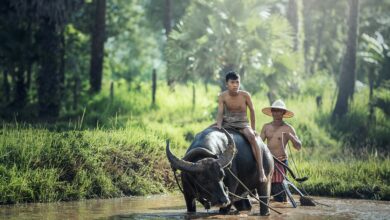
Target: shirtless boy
column 232, row 106
column 277, row 134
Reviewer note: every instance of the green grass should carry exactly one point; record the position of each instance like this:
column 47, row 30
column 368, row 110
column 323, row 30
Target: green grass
column 110, row 148
column 39, row 165
column 352, row 178
column 123, row 154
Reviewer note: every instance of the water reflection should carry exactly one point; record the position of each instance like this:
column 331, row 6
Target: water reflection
column 173, row 207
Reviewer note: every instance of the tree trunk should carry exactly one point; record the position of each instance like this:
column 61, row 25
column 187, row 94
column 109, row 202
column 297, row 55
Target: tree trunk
column 320, row 30
column 6, row 87
column 29, row 74
column 20, row 92
column 111, row 92
column 371, row 83
column 193, row 96
column 76, row 89
column 154, row 87
column 97, row 47
column 346, row 84
column 294, row 17
column 307, row 24
column 29, row 58
column 206, row 83
column 62, row 64
column 168, row 28
column 48, row 75
column 271, row 96
column 168, row 17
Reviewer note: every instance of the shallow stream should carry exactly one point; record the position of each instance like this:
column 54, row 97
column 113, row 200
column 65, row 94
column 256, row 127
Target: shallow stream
column 173, row 207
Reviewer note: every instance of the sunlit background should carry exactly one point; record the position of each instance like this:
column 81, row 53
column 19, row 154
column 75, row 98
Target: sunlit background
column 82, row 116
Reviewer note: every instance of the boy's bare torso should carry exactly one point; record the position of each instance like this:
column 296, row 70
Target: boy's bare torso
column 273, row 135
column 235, row 103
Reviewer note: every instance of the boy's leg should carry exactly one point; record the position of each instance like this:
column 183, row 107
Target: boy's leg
column 284, row 195
column 257, row 152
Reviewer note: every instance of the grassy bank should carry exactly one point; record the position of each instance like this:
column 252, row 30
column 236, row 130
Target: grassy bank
column 115, row 147
column 39, row 165
column 104, row 151
column 352, row 178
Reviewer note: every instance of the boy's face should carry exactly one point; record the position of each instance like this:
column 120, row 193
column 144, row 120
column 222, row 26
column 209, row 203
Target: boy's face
column 277, row 114
column 233, row 85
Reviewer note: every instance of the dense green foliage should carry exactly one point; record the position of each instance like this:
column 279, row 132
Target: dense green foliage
column 215, row 37
column 118, row 149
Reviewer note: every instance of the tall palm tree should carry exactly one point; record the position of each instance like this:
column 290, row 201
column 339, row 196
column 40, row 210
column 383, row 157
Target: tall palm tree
column 346, row 84
column 97, row 46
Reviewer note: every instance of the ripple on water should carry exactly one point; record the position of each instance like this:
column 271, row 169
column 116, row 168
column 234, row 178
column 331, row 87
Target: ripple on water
column 173, row 207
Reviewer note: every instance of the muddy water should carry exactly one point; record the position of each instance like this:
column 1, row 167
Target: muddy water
column 173, row 207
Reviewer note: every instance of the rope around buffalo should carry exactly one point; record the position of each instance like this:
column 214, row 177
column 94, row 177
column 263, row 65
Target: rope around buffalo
column 251, row 192
column 182, row 191
column 235, row 195
column 196, row 189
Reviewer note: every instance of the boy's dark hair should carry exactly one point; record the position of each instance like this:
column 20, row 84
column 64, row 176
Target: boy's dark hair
column 232, row 75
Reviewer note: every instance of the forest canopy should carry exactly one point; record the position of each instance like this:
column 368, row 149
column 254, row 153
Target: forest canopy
column 56, row 56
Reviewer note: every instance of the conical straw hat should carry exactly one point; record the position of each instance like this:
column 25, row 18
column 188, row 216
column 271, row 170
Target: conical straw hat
column 278, row 104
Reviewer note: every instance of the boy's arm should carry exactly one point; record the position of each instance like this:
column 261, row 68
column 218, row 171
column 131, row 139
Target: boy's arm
column 220, row 112
column 294, row 138
column 262, row 133
column 251, row 111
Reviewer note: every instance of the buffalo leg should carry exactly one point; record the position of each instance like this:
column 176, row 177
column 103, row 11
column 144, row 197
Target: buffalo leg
column 264, row 192
column 232, row 184
column 243, row 205
column 188, row 195
column 190, row 202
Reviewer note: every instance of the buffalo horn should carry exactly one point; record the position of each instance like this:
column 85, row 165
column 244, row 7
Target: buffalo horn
column 182, row 165
column 228, row 155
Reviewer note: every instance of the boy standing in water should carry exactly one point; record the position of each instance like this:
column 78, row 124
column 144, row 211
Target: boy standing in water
column 235, row 103
column 278, row 133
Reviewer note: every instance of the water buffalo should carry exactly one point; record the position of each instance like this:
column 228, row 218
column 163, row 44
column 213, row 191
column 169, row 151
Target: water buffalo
column 205, row 175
